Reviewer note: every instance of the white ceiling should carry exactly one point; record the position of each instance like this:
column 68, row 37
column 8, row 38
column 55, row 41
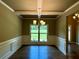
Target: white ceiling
column 47, row 5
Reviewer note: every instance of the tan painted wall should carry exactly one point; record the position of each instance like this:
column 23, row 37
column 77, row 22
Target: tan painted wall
column 27, row 22
column 10, row 25
column 61, row 27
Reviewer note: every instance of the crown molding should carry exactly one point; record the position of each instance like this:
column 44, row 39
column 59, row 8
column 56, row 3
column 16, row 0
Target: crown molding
column 6, row 6
column 35, row 13
column 75, row 4
column 40, row 18
column 52, row 13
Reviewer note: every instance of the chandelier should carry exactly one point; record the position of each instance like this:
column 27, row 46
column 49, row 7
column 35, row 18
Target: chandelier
column 42, row 22
column 76, row 16
column 39, row 11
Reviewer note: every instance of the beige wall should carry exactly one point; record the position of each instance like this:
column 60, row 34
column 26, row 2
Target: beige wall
column 10, row 25
column 27, row 22
column 61, row 27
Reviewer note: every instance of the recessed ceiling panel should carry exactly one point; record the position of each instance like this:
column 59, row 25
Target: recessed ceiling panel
column 22, row 4
column 57, row 5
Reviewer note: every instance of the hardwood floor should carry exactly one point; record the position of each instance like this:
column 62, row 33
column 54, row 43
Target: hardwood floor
column 38, row 52
column 73, row 51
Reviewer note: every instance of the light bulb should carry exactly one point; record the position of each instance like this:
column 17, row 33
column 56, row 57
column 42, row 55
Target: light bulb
column 41, row 21
column 76, row 14
column 34, row 21
column 74, row 17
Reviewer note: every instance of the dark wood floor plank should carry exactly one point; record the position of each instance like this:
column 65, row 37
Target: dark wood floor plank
column 38, row 52
column 73, row 51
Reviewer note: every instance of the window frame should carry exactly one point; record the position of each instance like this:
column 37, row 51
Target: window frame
column 39, row 33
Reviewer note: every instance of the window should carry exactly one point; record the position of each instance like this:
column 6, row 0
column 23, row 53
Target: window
column 43, row 33
column 36, row 32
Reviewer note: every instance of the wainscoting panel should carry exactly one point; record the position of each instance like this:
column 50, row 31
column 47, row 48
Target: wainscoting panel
column 7, row 48
column 61, row 44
